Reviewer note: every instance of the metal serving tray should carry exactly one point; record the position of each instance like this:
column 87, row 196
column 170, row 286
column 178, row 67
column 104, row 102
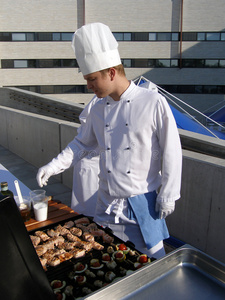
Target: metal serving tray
column 185, row 273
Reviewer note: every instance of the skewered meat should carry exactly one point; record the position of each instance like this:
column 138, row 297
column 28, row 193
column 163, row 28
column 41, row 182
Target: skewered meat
column 97, row 246
column 41, row 249
column 43, row 262
column 68, row 245
column 42, row 235
column 69, row 224
column 73, row 238
column 52, row 233
column 91, row 227
column 77, row 252
column 82, row 227
column 86, row 245
column 65, row 256
column 50, row 244
column 58, row 240
column 54, row 262
column 83, row 220
column 49, row 254
column 35, row 240
column 76, row 231
column 98, row 232
column 88, row 237
column 62, row 230
column 107, row 238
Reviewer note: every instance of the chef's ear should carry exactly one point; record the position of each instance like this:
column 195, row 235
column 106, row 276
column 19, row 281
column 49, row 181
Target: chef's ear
column 112, row 73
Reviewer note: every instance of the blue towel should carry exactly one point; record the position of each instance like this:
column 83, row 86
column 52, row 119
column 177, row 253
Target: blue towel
column 142, row 209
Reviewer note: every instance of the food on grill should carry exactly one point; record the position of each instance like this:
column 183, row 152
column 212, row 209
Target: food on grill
column 77, row 252
column 35, row 240
column 97, row 246
column 76, row 231
column 52, row 233
column 87, row 236
column 109, row 276
column 83, row 221
column 143, row 259
column 119, row 256
column 69, row 290
column 55, row 261
column 80, row 280
column 69, row 224
column 93, row 258
column 42, row 235
column 79, row 268
column 58, row 284
column 62, row 230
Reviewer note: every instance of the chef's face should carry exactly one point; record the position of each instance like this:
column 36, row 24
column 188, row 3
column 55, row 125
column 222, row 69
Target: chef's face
column 99, row 83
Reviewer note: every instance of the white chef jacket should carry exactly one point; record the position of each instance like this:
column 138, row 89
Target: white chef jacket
column 139, row 146
column 85, row 175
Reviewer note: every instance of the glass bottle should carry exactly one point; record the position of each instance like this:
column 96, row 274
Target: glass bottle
column 5, row 189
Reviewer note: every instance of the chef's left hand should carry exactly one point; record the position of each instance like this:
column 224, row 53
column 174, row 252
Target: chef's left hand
column 164, row 208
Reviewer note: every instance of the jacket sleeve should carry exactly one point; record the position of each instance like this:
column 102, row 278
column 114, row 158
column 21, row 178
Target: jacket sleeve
column 84, row 144
column 170, row 146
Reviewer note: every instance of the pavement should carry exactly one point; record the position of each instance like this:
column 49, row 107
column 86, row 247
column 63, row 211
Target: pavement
column 26, row 173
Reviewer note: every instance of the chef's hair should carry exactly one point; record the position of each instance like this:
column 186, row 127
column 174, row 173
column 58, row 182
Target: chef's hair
column 120, row 70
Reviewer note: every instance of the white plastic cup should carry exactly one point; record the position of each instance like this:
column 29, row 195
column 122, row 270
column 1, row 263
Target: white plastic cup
column 35, row 193
column 40, row 206
column 24, row 207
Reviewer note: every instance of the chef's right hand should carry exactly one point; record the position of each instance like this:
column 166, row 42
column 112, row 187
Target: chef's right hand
column 44, row 173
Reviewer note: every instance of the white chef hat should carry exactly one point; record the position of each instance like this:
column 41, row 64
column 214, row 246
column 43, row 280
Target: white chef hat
column 95, row 48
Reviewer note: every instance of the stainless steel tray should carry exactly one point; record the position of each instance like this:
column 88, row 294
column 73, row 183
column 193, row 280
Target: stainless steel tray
column 185, row 273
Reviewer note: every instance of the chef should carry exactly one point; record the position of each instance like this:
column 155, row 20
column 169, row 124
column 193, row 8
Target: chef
column 85, row 175
column 133, row 131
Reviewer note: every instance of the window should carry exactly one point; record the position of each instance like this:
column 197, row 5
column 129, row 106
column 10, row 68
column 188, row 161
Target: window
column 56, row 36
column 200, row 36
column 174, row 63
column 20, row 63
column 140, row 36
column 213, row 36
column 126, row 63
column 118, row 36
column 44, row 36
column 19, row 37
column 127, row 36
column 162, row 63
column 189, row 36
column 152, row 36
column 164, row 36
column 30, row 36
column 222, row 36
column 175, row 36
column 5, row 36
column 67, row 36
column 222, row 63
column 211, row 63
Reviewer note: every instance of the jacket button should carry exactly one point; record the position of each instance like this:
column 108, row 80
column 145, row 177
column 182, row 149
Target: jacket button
column 107, row 125
column 108, row 148
column 107, row 103
column 126, row 124
column 109, row 171
column 128, row 101
column 128, row 172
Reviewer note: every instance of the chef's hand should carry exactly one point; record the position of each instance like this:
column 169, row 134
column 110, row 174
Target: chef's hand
column 44, row 173
column 164, row 208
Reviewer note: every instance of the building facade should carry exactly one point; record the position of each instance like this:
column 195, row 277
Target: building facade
column 177, row 44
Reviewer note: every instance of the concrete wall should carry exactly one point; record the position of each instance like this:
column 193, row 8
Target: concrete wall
column 199, row 215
